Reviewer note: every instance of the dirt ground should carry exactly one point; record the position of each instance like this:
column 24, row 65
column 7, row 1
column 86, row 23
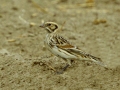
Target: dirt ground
column 92, row 25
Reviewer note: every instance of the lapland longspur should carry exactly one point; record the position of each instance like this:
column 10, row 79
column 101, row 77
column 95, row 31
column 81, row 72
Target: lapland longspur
column 61, row 47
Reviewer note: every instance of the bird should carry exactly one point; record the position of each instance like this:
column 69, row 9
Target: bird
column 61, row 47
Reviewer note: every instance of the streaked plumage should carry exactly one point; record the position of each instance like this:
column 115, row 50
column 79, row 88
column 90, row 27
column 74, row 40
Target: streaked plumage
column 63, row 48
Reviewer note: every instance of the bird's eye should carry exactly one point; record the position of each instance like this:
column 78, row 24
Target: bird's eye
column 49, row 24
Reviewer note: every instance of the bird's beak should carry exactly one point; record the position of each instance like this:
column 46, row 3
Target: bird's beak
column 42, row 26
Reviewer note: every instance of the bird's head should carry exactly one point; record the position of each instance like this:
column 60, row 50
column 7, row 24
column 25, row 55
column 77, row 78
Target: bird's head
column 49, row 26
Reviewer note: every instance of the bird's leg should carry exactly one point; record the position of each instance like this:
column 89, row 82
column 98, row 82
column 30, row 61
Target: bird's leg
column 64, row 68
column 70, row 62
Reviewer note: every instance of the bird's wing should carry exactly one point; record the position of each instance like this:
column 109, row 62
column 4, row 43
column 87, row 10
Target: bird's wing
column 64, row 44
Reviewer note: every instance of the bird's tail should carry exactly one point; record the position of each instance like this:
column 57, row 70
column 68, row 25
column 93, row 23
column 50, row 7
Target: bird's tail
column 96, row 60
column 85, row 56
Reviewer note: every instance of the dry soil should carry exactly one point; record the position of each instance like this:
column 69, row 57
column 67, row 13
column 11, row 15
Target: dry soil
column 92, row 25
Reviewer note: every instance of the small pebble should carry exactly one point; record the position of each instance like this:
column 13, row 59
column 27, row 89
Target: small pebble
column 32, row 24
column 34, row 15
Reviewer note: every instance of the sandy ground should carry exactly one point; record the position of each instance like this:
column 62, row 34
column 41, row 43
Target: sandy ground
column 93, row 26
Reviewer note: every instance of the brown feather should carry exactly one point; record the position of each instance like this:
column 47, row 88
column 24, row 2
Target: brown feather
column 66, row 46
